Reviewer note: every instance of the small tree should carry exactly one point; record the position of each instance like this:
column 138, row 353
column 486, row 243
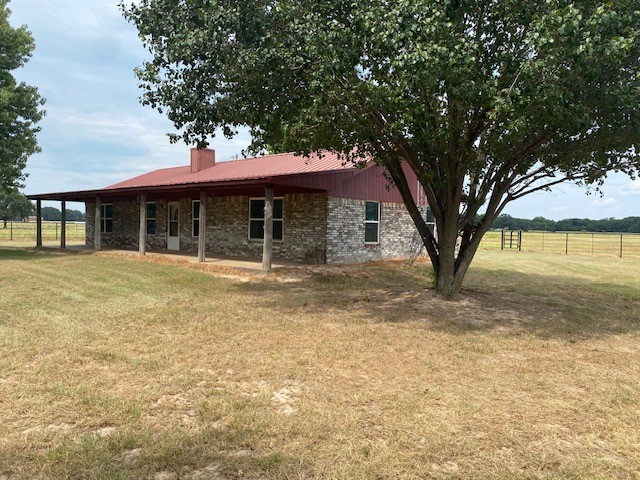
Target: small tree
column 14, row 205
column 485, row 100
column 20, row 104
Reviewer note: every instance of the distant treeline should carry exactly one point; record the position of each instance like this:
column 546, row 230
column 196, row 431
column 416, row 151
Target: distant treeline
column 629, row 224
column 52, row 214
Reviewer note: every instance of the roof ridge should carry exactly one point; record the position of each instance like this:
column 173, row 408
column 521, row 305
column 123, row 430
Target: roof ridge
column 238, row 160
column 264, row 156
column 167, row 168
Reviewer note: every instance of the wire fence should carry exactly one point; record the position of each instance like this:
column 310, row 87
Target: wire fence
column 624, row 245
column 20, row 233
column 621, row 245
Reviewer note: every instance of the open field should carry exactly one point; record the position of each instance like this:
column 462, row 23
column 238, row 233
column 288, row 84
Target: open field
column 568, row 243
column 115, row 368
column 21, row 234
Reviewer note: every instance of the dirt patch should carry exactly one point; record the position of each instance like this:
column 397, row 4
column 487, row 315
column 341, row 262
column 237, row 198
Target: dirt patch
column 286, row 397
column 53, row 427
column 210, row 472
column 217, row 270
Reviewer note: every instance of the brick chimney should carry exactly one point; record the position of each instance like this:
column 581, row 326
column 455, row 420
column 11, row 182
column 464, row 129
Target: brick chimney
column 202, row 158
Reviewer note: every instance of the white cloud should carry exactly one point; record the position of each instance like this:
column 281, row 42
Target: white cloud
column 632, row 188
column 604, row 203
column 559, row 209
column 95, row 132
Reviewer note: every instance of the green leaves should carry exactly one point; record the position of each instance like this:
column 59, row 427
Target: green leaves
column 14, row 205
column 20, row 104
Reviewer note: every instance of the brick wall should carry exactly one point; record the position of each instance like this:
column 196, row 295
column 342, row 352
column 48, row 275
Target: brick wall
column 316, row 229
column 227, row 232
column 126, row 226
column 345, row 235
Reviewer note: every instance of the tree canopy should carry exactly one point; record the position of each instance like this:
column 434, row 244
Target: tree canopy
column 52, row 214
column 14, row 206
column 623, row 225
column 20, row 104
column 485, row 100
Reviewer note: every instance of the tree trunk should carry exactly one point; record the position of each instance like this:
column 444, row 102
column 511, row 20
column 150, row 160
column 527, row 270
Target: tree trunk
column 450, row 276
column 453, row 269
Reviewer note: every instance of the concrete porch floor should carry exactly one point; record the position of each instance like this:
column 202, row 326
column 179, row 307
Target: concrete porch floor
column 244, row 263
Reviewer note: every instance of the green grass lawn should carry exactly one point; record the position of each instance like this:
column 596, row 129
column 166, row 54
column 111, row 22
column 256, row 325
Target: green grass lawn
column 115, row 368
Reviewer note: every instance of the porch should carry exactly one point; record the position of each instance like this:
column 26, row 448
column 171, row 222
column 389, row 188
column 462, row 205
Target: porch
column 203, row 237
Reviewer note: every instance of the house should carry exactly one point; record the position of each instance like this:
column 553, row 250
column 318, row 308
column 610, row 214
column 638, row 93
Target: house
column 312, row 209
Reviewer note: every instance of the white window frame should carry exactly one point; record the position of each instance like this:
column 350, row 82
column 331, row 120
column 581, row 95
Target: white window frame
column 262, row 219
column 154, row 218
column 104, row 218
column 376, row 222
column 194, row 219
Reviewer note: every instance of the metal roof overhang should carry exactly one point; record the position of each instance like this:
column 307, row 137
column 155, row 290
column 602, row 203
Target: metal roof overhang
column 230, row 188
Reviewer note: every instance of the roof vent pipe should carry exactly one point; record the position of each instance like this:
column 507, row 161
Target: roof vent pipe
column 202, row 158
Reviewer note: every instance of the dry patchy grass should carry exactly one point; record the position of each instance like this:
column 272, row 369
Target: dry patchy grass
column 114, row 369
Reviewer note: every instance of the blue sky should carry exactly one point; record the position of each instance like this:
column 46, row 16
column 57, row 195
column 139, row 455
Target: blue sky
column 96, row 132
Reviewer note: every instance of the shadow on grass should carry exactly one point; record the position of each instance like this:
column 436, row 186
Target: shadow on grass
column 547, row 306
column 554, row 305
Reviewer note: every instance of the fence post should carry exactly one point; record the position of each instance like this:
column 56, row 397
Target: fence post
column 519, row 240
column 56, row 224
column 620, row 245
column 11, row 231
column 502, row 240
column 566, row 246
column 511, row 240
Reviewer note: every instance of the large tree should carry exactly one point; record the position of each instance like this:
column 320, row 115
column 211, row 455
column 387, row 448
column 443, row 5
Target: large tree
column 486, row 100
column 20, row 104
column 14, row 206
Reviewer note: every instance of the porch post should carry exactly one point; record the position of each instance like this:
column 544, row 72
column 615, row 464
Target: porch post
column 142, row 238
column 97, row 231
column 63, row 224
column 267, row 249
column 38, row 223
column 202, row 221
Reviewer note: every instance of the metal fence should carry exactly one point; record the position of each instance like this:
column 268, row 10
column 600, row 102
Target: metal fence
column 565, row 243
column 22, row 232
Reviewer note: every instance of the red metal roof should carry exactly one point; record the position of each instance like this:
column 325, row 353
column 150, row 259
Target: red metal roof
column 265, row 167
column 288, row 173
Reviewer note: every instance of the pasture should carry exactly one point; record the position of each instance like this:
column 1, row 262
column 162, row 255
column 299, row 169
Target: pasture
column 119, row 368
column 625, row 245
column 22, row 234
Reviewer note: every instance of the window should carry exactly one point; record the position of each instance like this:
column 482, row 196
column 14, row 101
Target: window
column 195, row 217
column 151, row 218
column 429, row 215
column 256, row 218
column 430, row 220
column 372, row 223
column 106, row 217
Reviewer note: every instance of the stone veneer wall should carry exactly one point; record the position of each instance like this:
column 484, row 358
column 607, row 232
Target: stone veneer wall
column 305, row 228
column 316, row 229
column 345, row 232
column 126, row 226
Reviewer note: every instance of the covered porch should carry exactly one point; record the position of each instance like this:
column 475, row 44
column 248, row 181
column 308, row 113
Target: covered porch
column 202, row 193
